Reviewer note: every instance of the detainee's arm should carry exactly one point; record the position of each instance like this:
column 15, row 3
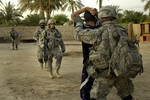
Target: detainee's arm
column 87, row 35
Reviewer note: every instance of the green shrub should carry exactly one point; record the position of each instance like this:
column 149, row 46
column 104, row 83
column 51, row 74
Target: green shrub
column 60, row 19
column 31, row 20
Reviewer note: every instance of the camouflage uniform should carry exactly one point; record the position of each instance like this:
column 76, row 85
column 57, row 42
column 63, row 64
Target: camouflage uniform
column 104, row 40
column 40, row 37
column 55, row 42
column 15, row 38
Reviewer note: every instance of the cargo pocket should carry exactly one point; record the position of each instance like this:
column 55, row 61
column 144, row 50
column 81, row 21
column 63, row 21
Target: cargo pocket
column 98, row 60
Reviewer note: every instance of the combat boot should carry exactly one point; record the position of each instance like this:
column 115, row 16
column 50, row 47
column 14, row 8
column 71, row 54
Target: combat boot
column 92, row 99
column 129, row 97
column 51, row 75
column 57, row 73
column 16, row 47
column 46, row 66
column 41, row 65
column 13, row 48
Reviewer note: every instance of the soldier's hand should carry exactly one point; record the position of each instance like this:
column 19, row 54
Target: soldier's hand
column 87, row 8
column 92, row 72
column 87, row 62
column 93, row 11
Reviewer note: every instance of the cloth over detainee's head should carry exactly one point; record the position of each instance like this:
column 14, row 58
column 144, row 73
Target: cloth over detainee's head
column 89, row 17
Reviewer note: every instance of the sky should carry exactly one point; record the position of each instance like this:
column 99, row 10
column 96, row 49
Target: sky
column 135, row 5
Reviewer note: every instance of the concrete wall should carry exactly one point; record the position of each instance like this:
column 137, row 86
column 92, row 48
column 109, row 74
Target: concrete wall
column 137, row 30
column 26, row 33
column 142, row 31
column 67, row 32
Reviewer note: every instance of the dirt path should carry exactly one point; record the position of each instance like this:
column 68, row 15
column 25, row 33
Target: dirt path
column 22, row 79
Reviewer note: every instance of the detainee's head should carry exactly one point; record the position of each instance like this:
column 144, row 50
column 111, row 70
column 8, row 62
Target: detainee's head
column 88, row 16
column 94, row 12
column 51, row 23
column 107, row 13
column 42, row 23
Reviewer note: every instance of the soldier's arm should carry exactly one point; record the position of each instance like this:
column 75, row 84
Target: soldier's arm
column 10, row 34
column 18, row 34
column 80, row 11
column 62, row 45
column 35, row 37
column 60, row 40
column 87, row 35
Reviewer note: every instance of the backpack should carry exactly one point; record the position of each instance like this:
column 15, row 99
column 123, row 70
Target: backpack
column 126, row 61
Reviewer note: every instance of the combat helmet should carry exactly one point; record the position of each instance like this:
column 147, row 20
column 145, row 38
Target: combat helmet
column 42, row 21
column 51, row 21
column 107, row 11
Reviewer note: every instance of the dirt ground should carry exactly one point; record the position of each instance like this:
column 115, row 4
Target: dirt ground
column 21, row 77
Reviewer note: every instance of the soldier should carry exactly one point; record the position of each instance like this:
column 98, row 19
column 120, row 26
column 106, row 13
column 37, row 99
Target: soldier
column 15, row 38
column 90, row 17
column 40, row 37
column 104, row 40
column 55, row 43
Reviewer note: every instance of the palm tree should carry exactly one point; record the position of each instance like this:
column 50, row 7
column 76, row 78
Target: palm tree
column 42, row 6
column 100, row 3
column 52, row 5
column 9, row 14
column 147, row 5
column 136, row 16
column 33, row 5
column 72, row 5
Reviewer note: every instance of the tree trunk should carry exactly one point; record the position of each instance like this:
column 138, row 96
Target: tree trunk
column 72, row 9
column 100, row 3
column 42, row 15
column 48, row 13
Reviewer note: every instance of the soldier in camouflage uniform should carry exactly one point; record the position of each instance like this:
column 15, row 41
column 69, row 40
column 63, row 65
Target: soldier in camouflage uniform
column 55, row 42
column 104, row 40
column 15, row 38
column 40, row 37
